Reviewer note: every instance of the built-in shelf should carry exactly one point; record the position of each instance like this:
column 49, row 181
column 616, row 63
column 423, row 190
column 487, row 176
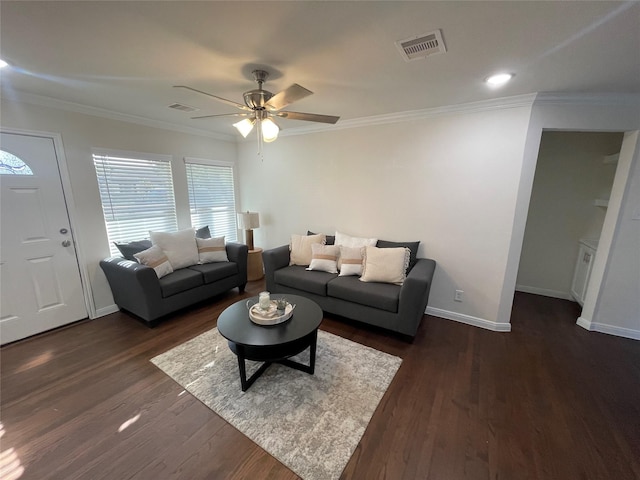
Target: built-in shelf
column 601, row 202
column 610, row 159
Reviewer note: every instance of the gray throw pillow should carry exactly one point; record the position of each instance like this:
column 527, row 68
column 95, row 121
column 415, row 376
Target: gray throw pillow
column 203, row 232
column 128, row 250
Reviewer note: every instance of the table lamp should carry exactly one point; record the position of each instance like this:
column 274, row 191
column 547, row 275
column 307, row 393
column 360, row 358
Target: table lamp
column 247, row 221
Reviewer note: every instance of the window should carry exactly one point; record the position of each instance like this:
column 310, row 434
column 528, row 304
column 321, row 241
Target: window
column 137, row 195
column 12, row 165
column 212, row 197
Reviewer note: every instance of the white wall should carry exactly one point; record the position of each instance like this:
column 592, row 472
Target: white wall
column 449, row 181
column 80, row 133
column 570, row 175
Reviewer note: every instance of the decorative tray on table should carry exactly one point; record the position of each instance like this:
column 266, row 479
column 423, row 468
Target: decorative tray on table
column 270, row 316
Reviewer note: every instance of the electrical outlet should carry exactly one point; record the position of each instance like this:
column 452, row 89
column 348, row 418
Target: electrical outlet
column 458, row 295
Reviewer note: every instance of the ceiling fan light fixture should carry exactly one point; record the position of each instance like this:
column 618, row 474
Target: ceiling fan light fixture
column 269, row 130
column 245, row 126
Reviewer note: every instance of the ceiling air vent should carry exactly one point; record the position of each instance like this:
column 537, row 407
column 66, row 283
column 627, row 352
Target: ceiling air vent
column 421, row 46
column 183, row 108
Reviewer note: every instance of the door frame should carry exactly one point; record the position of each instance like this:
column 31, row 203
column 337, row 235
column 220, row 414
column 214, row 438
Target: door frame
column 71, row 210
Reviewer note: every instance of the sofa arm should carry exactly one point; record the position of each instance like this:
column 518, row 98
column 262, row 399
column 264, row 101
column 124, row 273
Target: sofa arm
column 414, row 295
column 273, row 260
column 135, row 287
column 238, row 253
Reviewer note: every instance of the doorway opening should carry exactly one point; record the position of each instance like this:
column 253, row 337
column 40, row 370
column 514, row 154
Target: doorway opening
column 572, row 183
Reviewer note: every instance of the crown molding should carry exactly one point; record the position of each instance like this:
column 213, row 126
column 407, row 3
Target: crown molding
column 44, row 101
column 592, row 99
column 516, row 101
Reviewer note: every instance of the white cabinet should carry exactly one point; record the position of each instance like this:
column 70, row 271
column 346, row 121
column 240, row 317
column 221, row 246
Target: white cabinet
column 586, row 256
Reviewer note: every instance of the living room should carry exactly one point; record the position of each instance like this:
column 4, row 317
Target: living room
column 458, row 177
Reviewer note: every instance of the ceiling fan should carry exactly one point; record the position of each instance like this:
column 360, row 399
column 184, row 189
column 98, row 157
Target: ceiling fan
column 261, row 106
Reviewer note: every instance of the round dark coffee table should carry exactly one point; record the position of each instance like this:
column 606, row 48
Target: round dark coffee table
column 271, row 343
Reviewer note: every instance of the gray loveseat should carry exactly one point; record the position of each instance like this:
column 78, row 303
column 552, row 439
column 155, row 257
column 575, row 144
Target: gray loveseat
column 137, row 289
column 394, row 307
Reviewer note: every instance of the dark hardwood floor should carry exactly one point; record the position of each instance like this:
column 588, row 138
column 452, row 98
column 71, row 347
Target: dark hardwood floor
column 547, row 401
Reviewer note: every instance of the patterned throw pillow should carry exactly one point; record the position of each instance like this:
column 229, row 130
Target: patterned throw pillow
column 350, row 261
column 324, row 258
column 211, row 250
column 155, row 258
column 301, row 248
column 385, row 265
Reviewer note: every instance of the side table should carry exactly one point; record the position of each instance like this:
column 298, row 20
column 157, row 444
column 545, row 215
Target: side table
column 255, row 268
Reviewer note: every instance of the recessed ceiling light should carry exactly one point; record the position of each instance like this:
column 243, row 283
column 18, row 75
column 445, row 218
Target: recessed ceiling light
column 498, row 79
column 3, row 63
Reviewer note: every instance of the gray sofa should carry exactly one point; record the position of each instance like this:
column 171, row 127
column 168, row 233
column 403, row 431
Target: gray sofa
column 393, row 307
column 137, row 289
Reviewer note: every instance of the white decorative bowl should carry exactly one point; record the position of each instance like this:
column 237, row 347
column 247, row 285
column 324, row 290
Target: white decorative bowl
column 270, row 316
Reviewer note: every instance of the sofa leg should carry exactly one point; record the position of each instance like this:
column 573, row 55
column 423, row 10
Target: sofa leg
column 241, row 288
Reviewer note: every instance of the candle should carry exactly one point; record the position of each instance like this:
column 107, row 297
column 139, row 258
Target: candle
column 264, row 300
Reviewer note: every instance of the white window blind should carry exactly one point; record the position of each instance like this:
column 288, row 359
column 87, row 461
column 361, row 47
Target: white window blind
column 137, row 195
column 212, row 197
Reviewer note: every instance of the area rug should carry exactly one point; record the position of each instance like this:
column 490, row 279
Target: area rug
column 310, row 423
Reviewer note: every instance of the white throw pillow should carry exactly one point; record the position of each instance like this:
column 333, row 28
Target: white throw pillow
column 212, row 250
column 345, row 240
column 350, row 261
column 354, row 242
column 324, row 258
column 179, row 247
column 385, row 265
column 155, row 258
column 301, row 248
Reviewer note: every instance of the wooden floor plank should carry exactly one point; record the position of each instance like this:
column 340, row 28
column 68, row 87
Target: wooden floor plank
column 547, row 401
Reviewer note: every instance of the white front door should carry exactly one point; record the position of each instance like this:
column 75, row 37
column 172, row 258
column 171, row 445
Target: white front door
column 39, row 276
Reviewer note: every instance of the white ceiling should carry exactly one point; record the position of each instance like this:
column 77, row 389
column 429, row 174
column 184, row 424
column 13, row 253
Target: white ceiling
column 125, row 57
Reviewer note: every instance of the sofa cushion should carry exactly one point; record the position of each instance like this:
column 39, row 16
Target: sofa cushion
column 383, row 296
column 298, row 277
column 213, row 272
column 179, row 281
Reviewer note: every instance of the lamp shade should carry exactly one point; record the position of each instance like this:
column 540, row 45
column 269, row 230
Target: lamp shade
column 248, row 220
column 269, row 130
column 245, row 126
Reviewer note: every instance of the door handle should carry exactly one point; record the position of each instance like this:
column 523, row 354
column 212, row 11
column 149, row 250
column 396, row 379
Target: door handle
column 66, row 243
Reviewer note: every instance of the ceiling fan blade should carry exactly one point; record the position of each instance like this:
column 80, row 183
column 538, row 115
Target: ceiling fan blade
column 285, row 97
column 309, row 117
column 220, row 99
column 222, row 115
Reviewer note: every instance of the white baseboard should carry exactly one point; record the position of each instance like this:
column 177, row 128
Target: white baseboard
column 101, row 312
column 545, row 292
column 469, row 320
column 608, row 329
